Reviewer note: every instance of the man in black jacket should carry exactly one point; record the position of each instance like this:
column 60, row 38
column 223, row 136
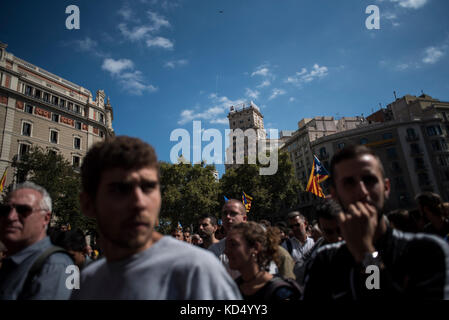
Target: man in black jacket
column 374, row 261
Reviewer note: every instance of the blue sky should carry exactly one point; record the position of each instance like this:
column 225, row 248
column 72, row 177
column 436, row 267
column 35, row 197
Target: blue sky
column 166, row 63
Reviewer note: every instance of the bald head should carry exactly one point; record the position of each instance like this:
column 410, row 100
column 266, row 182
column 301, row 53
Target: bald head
column 233, row 212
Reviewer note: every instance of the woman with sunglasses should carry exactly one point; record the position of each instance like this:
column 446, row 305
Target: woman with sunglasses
column 250, row 249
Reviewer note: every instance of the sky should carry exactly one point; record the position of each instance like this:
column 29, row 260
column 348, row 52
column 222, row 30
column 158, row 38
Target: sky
column 165, row 64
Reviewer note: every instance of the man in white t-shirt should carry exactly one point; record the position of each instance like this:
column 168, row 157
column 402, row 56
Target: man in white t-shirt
column 120, row 188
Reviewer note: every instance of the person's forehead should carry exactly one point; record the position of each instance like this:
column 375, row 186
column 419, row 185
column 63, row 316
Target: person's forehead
column 294, row 219
column 205, row 221
column 25, row 196
column 233, row 207
column 128, row 175
column 353, row 167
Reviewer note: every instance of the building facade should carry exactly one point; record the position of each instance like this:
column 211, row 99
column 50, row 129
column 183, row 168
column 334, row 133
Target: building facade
column 246, row 123
column 410, row 136
column 38, row 108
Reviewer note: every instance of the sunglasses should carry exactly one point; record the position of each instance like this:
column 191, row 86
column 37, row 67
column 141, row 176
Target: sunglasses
column 22, row 209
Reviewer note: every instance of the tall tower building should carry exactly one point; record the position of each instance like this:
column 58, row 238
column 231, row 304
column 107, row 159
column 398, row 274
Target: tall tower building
column 40, row 108
column 245, row 122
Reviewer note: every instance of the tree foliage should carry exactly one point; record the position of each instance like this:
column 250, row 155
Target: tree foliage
column 188, row 191
column 273, row 195
column 60, row 179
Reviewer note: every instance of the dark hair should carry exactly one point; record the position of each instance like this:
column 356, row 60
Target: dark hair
column 352, row 152
column 70, row 240
column 265, row 222
column 328, row 209
column 432, row 201
column 400, row 219
column 269, row 239
column 117, row 152
column 213, row 220
column 294, row 214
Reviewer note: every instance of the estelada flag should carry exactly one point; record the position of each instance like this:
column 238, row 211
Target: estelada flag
column 246, row 199
column 3, row 181
column 317, row 175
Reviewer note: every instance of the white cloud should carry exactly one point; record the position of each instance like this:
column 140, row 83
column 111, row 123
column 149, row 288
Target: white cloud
column 138, row 33
column 411, row 4
column 158, row 21
column 86, row 44
column 132, row 81
column 176, row 63
column 402, row 66
column 291, row 99
column 253, row 94
column 117, row 66
column 261, row 71
column 265, row 83
column 276, row 92
column 304, row 76
column 433, row 54
column 160, row 42
column 146, row 31
column 215, row 114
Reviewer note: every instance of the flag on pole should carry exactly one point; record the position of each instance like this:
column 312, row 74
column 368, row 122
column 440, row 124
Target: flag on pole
column 226, row 199
column 246, row 199
column 3, row 181
column 317, row 175
column 179, row 226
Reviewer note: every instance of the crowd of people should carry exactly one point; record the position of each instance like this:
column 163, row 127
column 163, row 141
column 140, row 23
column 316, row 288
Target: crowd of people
column 352, row 250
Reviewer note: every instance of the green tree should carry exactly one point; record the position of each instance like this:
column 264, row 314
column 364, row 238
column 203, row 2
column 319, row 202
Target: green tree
column 188, row 191
column 273, row 195
column 60, row 179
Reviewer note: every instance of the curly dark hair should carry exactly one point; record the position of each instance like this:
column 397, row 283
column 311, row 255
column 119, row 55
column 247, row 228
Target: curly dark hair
column 269, row 239
column 117, row 152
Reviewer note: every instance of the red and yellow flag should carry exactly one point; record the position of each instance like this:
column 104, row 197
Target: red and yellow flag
column 317, row 175
column 3, row 181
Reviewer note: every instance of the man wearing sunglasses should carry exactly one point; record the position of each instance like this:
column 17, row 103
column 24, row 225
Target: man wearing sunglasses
column 23, row 223
column 300, row 243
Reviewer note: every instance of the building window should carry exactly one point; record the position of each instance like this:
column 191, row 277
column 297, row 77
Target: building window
column 77, row 108
column 341, row 145
column 411, row 133
column 23, row 149
column 70, row 106
column 37, row 94
column 415, row 148
column 46, row 97
column 28, row 90
column 78, row 125
column 391, row 153
column 387, row 136
column 29, row 108
column 101, row 118
column 101, row 134
column 62, row 103
column 26, row 129
column 55, row 117
column 433, row 130
column 363, row 141
column 53, row 136
column 54, row 100
column 77, row 143
column 76, row 161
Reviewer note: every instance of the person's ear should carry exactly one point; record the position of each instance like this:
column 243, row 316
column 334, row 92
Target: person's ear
column 87, row 205
column 387, row 187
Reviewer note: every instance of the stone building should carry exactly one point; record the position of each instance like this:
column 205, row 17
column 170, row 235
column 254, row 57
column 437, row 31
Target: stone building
column 40, row 108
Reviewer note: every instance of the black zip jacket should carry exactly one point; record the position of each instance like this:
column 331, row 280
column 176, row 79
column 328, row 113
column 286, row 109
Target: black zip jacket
column 415, row 266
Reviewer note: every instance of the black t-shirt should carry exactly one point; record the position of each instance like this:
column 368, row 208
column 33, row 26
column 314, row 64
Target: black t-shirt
column 274, row 290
